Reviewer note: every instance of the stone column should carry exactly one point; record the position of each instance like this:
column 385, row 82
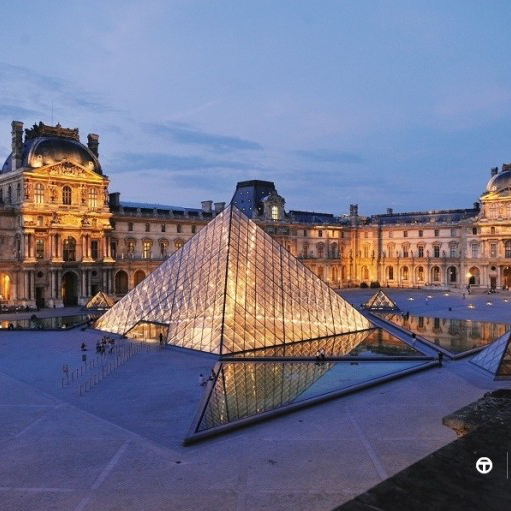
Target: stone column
column 25, row 246
column 83, row 286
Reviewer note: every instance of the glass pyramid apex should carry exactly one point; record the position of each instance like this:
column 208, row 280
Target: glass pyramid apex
column 233, row 288
column 381, row 301
column 100, row 301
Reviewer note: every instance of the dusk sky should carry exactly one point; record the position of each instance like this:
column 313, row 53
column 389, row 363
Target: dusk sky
column 403, row 104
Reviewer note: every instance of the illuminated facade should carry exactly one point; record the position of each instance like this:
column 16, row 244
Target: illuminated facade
column 64, row 237
column 232, row 288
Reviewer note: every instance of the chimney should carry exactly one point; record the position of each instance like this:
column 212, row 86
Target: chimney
column 506, row 167
column 207, row 206
column 219, row 207
column 93, row 144
column 17, row 144
column 353, row 209
column 114, row 199
column 390, row 211
column 494, row 171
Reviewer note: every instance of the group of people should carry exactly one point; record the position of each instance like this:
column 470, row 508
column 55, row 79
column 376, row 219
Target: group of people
column 203, row 380
column 106, row 344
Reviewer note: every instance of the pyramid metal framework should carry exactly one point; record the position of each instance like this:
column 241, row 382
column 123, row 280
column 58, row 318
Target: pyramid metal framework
column 100, row 301
column 233, row 288
column 380, row 301
column 496, row 358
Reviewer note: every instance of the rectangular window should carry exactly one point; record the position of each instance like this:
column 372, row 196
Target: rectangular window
column 146, row 252
column 421, row 233
column 163, row 227
column 453, row 233
column 474, row 230
column 453, row 251
column 366, row 235
column 420, row 251
column 493, row 250
column 94, row 249
column 147, row 227
column 320, row 233
column 405, row 252
column 391, row 234
column 436, row 251
column 130, row 226
column 194, row 229
column 39, row 249
column 475, row 250
column 113, row 249
column 405, row 234
column 437, row 232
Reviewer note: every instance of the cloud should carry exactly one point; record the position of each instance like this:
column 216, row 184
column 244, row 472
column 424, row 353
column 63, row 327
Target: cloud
column 133, row 162
column 186, row 134
column 329, row 156
column 17, row 112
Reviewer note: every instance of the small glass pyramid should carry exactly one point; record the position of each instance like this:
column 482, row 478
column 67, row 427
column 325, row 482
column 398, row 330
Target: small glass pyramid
column 496, row 358
column 381, row 302
column 100, row 301
column 233, row 288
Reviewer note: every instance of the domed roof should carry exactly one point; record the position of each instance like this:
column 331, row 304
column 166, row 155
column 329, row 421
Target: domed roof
column 501, row 181
column 46, row 149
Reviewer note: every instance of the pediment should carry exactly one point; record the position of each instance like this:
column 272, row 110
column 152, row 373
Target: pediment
column 69, row 169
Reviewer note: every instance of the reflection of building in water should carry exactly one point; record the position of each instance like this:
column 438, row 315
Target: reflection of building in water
column 245, row 389
column 455, row 335
column 64, row 237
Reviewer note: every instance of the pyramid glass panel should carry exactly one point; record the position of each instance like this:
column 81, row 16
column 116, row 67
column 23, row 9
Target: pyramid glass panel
column 380, row 301
column 233, row 288
column 496, row 358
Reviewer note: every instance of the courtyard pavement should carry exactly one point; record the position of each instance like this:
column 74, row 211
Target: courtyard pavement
column 118, row 447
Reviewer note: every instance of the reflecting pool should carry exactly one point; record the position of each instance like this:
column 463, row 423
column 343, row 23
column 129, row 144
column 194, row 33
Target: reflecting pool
column 55, row 323
column 247, row 389
column 454, row 335
column 373, row 342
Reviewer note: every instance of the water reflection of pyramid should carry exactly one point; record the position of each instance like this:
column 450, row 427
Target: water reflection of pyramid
column 99, row 301
column 496, row 358
column 248, row 389
column 380, row 301
column 233, row 288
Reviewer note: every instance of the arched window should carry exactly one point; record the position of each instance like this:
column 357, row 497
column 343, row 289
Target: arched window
column 9, row 194
column 420, row 274
column 121, row 282
column 390, row 272
column 435, row 274
column 178, row 244
column 475, row 249
column 452, row 275
column 138, row 277
column 38, row 193
column 179, row 228
column 93, row 198
column 69, row 251
column 320, row 248
column 365, row 273
column 18, row 192
column 405, row 272
column 274, row 213
column 507, row 246
column 390, row 250
column 66, row 195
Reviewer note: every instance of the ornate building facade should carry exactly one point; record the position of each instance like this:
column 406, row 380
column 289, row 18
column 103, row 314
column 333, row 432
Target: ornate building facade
column 64, row 237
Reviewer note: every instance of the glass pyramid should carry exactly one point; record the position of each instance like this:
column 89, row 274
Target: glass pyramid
column 100, row 301
column 233, row 288
column 381, row 302
column 496, row 358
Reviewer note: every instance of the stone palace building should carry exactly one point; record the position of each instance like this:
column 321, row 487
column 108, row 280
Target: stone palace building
column 64, row 236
